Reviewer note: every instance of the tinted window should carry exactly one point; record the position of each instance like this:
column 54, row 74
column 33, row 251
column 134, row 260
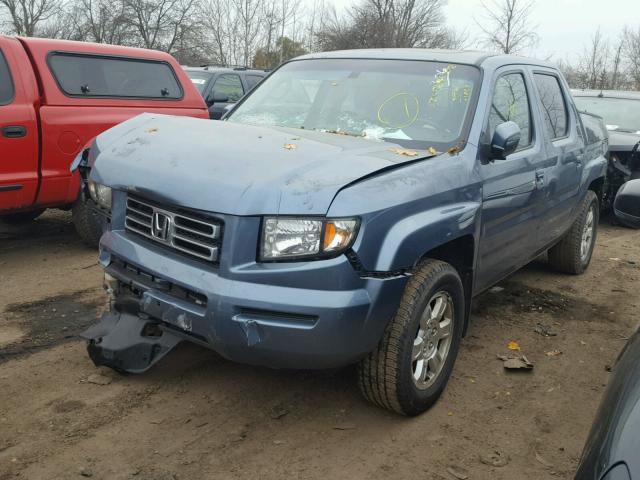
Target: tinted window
column 511, row 103
column 6, row 83
column 554, row 109
column 98, row 76
column 230, row 86
column 253, row 80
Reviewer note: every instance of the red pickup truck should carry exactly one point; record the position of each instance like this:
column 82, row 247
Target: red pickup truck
column 55, row 97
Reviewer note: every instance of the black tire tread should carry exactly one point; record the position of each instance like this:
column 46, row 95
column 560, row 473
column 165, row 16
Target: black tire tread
column 378, row 373
column 565, row 255
column 88, row 223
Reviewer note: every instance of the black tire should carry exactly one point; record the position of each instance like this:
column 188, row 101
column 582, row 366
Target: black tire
column 89, row 224
column 386, row 375
column 566, row 256
column 22, row 217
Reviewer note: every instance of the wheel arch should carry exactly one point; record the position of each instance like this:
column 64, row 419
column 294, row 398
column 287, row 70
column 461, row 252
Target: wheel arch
column 597, row 186
column 460, row 253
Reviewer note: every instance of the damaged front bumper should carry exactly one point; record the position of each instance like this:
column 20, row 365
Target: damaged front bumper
column 160, row 299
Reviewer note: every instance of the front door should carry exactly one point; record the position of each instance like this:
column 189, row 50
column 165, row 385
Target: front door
column 226, row 90
column 18, row 140
column 509, row 186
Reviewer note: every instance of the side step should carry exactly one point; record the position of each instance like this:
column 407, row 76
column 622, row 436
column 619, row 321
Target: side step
column 119, row 341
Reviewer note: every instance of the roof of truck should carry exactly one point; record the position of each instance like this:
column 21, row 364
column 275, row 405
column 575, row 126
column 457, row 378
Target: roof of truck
column 47, row 44
column 468, row 57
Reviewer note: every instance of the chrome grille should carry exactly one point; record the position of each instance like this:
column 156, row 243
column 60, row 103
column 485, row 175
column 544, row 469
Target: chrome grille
column 188, row 234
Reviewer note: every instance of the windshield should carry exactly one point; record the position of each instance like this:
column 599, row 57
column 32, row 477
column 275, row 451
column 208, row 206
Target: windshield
column 618, row 113
column 411, row 103
column 199, row 79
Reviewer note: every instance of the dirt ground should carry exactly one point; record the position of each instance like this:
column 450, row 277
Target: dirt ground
column 198, row 416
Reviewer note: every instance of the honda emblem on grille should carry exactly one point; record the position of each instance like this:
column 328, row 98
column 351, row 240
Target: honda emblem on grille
column 160, row 226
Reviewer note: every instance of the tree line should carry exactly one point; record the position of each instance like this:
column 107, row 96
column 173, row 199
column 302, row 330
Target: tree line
column 264, row 33
column 607, row 64
column 259, row 33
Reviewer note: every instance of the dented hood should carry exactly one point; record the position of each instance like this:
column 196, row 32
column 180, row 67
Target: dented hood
column 236, row 169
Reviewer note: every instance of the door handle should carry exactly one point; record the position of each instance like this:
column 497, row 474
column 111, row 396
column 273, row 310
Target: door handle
column 14, row 131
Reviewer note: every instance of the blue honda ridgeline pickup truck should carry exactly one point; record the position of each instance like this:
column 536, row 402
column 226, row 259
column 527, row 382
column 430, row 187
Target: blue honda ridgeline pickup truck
column 347, row 210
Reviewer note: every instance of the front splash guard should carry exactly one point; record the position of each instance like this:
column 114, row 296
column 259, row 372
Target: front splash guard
column 117, row 341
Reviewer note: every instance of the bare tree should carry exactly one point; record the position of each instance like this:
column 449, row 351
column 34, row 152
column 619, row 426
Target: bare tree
column 220, row 25
column 592, row 65
column 27, row 15
column 385, row 23
column 313, row 22
column 161, row 24
column 506, row 25
column 248, row 28
column 288, row 11
column 616, row 80
column 632, row 54
column 105, row 21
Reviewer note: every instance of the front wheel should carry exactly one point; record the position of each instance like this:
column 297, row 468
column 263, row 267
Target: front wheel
column 409, row 369
column 90, row 225
column 573, row 253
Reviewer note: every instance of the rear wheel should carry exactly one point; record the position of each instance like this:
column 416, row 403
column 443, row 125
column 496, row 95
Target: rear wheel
column 22, row 217
column 412, row 363
column 573, row 253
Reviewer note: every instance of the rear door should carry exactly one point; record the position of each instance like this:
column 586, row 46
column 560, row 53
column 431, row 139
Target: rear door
column 18, row 132
column 508, row 209
column 227, row 89
column 558, row 175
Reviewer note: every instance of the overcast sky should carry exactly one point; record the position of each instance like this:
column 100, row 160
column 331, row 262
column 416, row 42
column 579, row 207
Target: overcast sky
column 563, row 25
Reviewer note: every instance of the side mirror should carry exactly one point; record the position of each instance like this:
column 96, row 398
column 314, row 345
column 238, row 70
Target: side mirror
column 505, row 140
column 218, row 97
column 627, row 204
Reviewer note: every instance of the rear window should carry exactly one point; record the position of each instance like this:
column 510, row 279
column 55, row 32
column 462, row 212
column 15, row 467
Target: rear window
column 101, row 76
column 6, row 83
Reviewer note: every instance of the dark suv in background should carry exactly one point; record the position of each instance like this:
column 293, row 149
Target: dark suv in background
column 222, row 86
column 621, row 113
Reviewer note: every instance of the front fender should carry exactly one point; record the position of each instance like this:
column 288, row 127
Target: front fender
column 409, row 211
column 410, row 238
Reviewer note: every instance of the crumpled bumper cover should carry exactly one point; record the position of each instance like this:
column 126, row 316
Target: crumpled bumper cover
column 270, row 325
column 118, row 342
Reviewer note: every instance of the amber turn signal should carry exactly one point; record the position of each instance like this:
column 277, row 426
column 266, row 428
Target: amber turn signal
column 338, row 234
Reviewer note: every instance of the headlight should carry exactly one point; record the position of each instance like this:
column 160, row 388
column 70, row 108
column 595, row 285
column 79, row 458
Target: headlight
column 285, row 238
column 101, row 194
